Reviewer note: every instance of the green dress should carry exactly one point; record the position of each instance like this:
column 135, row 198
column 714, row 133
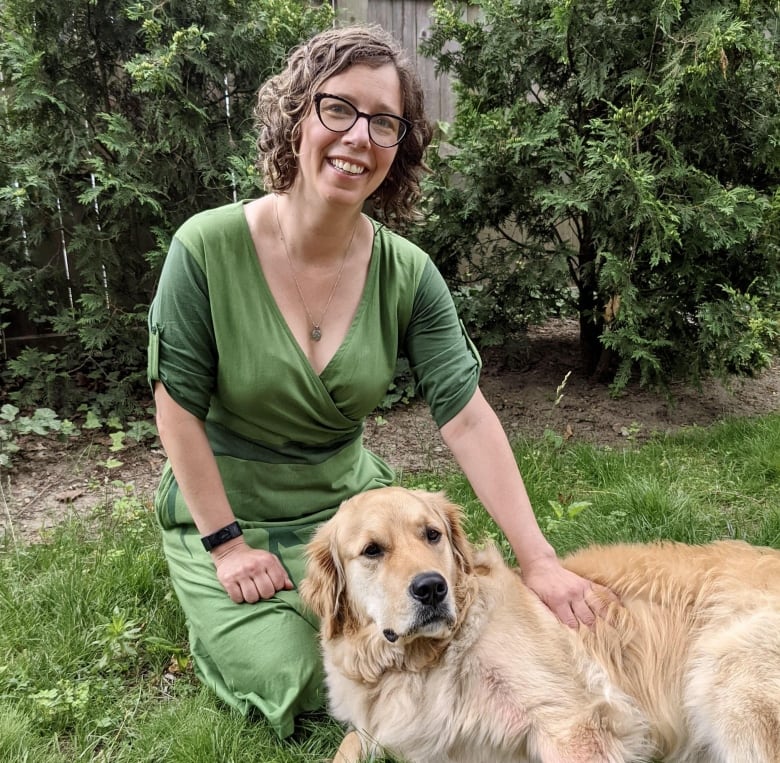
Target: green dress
column 288, row 442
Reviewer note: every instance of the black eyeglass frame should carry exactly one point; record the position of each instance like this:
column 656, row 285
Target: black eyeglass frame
column 407, row 125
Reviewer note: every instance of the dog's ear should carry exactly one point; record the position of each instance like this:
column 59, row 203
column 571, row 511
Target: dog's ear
column 453, row 517
column 323, row 587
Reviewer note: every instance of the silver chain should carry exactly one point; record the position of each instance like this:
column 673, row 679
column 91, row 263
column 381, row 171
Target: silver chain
column 316, row 326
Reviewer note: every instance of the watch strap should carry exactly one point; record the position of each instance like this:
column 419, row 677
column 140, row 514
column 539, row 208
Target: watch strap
column 210, row 542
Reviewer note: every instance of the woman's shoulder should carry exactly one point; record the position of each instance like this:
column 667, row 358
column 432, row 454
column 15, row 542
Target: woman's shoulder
column 398, row 253
column 225, row 220
column 396, row 242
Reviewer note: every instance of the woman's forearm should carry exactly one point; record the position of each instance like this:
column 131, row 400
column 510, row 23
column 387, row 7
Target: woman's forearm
column 184, row 438
column 480, row 446
column 247, row 574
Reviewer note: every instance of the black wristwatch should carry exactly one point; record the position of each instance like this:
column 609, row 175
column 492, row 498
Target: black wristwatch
column 210, row 542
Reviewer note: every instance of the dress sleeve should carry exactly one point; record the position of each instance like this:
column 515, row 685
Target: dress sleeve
column 182, row 351
column 445, row 363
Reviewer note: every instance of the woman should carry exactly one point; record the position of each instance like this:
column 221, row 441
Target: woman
column 274, row 333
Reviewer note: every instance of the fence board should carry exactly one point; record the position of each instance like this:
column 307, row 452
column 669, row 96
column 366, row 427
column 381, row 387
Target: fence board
column 408, row 21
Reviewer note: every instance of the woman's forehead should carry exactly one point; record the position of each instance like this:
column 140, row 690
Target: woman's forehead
column 378, row 88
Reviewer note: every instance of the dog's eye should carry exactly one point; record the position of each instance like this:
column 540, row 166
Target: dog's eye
column 372, row 550
column 432, row 534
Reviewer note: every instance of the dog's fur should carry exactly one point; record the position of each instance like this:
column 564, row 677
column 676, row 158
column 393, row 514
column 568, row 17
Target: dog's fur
column 466, row 665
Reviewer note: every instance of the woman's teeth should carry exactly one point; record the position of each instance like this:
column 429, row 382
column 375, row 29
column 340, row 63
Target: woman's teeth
column 352, row 169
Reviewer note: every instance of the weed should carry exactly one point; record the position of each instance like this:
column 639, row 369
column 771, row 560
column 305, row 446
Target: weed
column 564, row 511
column 118, row 642
column 551, row 437
column 43, row 422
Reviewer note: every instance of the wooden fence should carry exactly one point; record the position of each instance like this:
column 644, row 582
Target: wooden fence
column 408, row 21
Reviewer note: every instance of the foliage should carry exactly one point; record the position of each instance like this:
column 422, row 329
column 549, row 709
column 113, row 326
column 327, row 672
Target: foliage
column 401, row 390
column 563, row 511
column 119, row 120
column 621, row 161
column 42, row 422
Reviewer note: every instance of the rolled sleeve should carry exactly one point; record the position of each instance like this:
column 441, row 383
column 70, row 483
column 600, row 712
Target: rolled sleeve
column 182, row 351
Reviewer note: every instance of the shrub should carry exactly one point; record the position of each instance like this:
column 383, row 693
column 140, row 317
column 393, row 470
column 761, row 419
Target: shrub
column 619, row 159
column 121, row 119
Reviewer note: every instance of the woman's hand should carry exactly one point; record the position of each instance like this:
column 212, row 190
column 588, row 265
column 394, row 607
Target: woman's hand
column 249, row 574
column 572, row 599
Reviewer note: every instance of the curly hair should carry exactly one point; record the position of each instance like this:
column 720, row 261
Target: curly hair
column 286, row 99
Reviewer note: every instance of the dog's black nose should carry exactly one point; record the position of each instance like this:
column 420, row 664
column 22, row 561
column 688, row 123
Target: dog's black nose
column 429, row 588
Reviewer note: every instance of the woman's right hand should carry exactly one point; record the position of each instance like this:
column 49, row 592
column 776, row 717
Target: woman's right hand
column 249, row 574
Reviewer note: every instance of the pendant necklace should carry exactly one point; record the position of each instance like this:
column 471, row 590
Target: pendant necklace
column 316, row 326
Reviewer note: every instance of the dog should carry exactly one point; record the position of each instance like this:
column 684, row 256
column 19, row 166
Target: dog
column 437, row 652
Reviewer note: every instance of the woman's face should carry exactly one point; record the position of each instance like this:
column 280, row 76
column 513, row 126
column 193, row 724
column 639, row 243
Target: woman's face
column 346, row 168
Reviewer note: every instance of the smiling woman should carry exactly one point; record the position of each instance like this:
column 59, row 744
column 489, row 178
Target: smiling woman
column 362, row 90
column 286, row 99
column 275, row 332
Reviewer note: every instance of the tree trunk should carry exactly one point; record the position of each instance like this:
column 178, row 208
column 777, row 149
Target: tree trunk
column 590, row 312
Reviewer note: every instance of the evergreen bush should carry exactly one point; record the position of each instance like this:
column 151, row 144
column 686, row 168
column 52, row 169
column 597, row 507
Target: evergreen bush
column 120, row 119
column 619, row 160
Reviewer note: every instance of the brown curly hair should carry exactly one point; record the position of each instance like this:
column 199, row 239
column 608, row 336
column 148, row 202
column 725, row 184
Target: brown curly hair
column 285, row 100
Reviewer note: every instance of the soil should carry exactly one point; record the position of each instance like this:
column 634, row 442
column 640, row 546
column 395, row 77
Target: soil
column 545, row 391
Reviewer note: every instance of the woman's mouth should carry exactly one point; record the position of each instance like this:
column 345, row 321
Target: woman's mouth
column 348, row 167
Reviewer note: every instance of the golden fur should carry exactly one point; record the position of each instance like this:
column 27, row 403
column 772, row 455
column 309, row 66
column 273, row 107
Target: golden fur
column 439, row 654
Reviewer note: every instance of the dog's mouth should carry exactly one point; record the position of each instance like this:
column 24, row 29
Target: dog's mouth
column 433, row 622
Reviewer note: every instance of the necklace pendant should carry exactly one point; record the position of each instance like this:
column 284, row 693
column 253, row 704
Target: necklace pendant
column 316, row 334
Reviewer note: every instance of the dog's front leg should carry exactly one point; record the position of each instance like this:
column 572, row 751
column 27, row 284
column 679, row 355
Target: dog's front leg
column 352, row 749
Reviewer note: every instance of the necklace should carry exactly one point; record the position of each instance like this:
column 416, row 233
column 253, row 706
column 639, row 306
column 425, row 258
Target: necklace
column 316, row 326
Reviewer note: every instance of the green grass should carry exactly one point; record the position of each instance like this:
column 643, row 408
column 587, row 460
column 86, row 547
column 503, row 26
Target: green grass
column 93, row 654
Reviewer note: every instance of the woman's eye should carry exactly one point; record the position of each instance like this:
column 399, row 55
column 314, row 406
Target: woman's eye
column 433, row 535
column 372, row 550
column 384, row 123
column 338, row 110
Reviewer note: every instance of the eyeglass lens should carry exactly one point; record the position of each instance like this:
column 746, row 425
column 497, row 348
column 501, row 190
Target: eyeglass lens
column 339, row 115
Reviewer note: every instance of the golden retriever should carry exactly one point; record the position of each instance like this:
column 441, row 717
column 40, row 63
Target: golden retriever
column 438, row 653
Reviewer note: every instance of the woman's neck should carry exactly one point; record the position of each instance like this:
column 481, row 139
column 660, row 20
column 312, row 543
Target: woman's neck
column 315, row 233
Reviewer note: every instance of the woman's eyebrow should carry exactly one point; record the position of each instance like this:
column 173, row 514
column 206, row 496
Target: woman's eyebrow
column 381, row 107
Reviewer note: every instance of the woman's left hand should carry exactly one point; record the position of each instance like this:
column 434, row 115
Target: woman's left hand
column 572, row 599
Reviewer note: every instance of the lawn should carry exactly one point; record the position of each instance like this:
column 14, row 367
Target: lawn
column 94, row 664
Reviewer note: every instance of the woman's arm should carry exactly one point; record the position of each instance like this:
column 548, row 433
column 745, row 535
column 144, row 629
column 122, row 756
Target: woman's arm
column 480, row 446
column 247, row 574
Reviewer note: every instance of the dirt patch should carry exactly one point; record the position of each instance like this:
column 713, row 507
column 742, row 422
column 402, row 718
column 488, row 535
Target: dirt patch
column 550, row 371
column 52, row 479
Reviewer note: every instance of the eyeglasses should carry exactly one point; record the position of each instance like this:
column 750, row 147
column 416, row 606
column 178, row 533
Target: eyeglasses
column 339, row 115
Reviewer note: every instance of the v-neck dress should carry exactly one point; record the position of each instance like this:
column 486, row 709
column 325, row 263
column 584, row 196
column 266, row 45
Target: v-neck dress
column 287, row 441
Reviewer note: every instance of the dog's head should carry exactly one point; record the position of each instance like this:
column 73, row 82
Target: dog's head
column 392, row 560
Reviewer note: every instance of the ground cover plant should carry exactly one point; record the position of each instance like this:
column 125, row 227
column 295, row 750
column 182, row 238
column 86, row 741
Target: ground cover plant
column 94, row 664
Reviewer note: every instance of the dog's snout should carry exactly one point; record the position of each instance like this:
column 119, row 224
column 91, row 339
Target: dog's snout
column 429, row 588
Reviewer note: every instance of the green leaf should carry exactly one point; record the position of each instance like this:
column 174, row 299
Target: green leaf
column 9, row 412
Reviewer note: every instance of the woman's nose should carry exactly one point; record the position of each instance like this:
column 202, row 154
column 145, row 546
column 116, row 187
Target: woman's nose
column 358, row 134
